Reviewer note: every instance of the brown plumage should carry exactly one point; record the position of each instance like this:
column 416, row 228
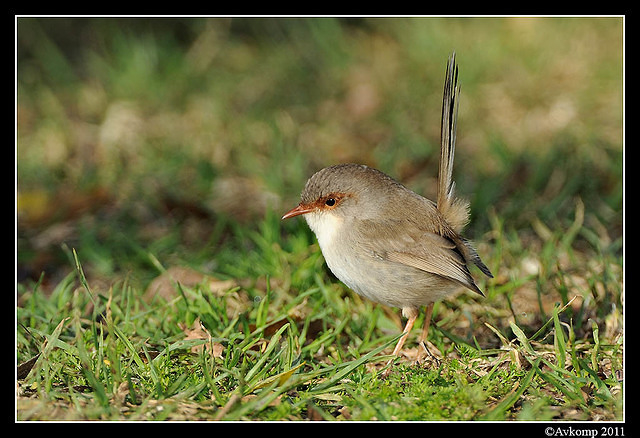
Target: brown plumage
column 388, row 243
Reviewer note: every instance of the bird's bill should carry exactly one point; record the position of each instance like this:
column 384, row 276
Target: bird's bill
column 300, row 209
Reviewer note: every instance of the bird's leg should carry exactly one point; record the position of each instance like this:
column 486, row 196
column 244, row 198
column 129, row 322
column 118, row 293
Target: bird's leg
column 425, row 330
column 411, row 313
column 427, row 322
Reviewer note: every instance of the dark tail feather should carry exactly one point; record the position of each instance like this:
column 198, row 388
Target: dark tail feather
column 475, row 258
column 446, row 185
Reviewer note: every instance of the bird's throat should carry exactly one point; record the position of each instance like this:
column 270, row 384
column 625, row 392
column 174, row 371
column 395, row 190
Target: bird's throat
column 326, row 226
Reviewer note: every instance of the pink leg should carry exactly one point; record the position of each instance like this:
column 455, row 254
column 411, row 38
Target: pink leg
column 411, row 313
column 425, row 331
column 427, row 321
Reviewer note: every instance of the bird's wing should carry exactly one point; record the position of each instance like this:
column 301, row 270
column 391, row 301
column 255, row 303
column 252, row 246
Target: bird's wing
column 407, row 244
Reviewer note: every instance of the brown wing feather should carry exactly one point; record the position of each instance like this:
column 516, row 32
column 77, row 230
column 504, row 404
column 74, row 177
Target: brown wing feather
column 418, row 248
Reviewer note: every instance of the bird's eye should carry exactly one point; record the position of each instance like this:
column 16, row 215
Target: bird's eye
column 330, row 202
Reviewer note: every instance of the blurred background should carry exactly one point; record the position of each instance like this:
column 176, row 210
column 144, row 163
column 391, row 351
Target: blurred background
column 170, row 136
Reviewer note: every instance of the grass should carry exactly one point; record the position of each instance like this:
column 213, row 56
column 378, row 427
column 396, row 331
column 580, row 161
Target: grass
column 157, row 282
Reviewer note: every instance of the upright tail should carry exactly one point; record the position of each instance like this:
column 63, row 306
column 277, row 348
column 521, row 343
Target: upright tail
column 455, row 210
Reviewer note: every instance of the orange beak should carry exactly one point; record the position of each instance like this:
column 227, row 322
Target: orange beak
column 300, row 209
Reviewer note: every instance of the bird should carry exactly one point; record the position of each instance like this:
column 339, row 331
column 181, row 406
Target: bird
column 388, row 243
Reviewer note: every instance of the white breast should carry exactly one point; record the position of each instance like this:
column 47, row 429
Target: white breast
column 326, row 227
column 328, row 230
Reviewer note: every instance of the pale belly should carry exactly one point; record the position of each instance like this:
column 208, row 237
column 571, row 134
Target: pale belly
column 386, row 282
column 389, row 283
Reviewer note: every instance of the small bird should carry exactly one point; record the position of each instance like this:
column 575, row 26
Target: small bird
column 386, row 242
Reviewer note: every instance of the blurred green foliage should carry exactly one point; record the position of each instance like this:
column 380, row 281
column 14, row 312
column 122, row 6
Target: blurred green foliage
column 148, row 122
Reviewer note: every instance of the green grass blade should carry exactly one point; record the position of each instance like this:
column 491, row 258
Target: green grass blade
column 265, row 355
column 82, row 277
column 348, row 367
column 523, row 339
column 596, row 345
column 559, row 341
column 499, row 411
